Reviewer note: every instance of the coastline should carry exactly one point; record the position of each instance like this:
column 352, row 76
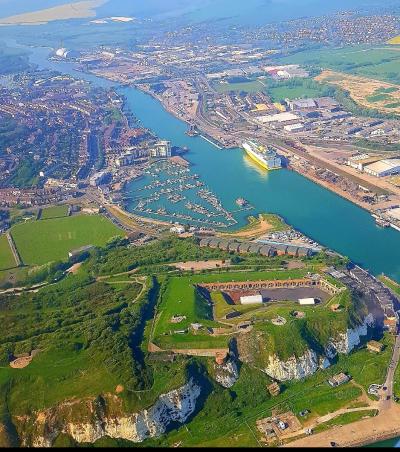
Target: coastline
column 334, row 189
column 384, row 426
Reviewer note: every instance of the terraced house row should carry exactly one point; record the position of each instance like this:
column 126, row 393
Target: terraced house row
column 268, row 250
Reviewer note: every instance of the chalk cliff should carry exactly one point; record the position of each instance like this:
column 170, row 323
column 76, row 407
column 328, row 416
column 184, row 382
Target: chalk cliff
column 88, row 420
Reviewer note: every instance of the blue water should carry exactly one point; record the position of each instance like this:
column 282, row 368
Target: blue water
column 238, row 12
column 319, row 213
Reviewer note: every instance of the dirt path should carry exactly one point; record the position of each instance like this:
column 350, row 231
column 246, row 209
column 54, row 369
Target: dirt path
column 255, row 229
column 130, row 272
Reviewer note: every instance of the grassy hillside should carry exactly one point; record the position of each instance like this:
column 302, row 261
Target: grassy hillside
column 299, row 334
column 6, row 256
column 91, row 337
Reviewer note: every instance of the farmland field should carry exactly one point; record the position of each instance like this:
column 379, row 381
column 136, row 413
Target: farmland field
column 395, row 41
column 292, row 92
column 380, row 63
column 39, row 242
column 54, row 212
column 369, row 93
column 6, row 256
column 277, row 90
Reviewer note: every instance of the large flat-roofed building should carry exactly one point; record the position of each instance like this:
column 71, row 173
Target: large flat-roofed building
column 279, row 118
column 251, row 299
column 307, row 301
column 129, row 158
column 360, row 161
column 394, row 213
column 302, row 104
column 382, row 168
column 298, row 127
column 327, row 103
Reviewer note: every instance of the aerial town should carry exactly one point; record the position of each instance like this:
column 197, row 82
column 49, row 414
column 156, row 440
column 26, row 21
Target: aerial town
column 200, row 223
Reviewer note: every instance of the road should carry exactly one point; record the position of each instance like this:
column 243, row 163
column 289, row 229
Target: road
column 13, row 249
column 386, row 396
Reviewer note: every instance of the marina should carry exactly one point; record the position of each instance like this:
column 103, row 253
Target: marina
column 171, row 192
column 330, row 220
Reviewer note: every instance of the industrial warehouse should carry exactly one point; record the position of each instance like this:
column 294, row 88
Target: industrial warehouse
column 376, row 165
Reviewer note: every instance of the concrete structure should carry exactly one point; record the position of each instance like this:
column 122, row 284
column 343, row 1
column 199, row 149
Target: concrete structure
column 360, row 161
column 274, row 389
column 338, row 379
column 162, row 149
column 298, row 127
column 302, row 104
column 177, row 229
column 273, row 284
column 100, row 178
column 327, row 103
column 264, row 248
column 77, row 251
column 251, row 299
column 394, row 213
column 375, row 346
column 307, row 301
column 382, row 168
column 131, row 157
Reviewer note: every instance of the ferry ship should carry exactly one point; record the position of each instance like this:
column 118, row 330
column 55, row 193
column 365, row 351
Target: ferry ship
column 267, row 158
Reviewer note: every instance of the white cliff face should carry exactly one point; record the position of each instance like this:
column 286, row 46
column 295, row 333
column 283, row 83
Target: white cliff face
column 294, row 368
column 304, row 366
column 175, row 406
column 226, row 374
column 352, row 337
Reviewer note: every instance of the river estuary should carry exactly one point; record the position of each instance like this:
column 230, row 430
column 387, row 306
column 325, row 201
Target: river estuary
column 322, row 215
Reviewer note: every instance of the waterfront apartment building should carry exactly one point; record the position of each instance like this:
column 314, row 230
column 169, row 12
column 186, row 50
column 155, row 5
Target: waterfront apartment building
column 131, row 157
column 161, row 149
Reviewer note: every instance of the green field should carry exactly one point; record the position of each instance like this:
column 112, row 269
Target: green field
column 380, row 63
column 378, row 98
column 92, row 336
column 54, row 212
column 277, row 90
column 181, row 298
column 39, row 242
column 249, row 87
column 6, row 256
column 293, row 92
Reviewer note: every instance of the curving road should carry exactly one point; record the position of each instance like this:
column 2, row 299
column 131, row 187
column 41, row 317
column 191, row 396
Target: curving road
column 386, row 396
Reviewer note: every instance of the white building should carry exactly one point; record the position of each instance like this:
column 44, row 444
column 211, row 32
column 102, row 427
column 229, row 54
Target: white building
column 307, row 301
column 177, row 229
column 281, row 118
column 298, row 127
column 251, row 299
column 100, row 178
column 162, row 149
column 388, row 167
column 360, row 161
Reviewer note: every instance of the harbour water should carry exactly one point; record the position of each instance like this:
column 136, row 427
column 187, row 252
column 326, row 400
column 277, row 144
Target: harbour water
column 315, row 211
column 322, row 215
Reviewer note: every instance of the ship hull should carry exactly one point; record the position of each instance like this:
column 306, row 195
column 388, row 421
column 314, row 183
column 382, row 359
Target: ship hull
column 258, row 160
